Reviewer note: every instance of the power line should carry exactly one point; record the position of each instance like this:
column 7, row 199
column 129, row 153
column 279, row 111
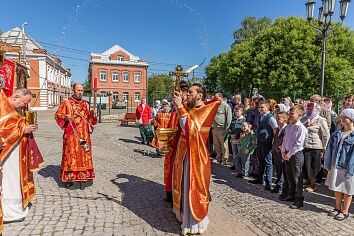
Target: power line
column 84, row 52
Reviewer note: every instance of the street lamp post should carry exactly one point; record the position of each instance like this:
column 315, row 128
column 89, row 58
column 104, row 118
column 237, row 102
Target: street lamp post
column 324, row 22
column 109, row 102
column 23, row 42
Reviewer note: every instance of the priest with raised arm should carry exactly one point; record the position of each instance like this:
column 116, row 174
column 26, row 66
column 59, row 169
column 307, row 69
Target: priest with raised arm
column 192, row 167
column 77, row 120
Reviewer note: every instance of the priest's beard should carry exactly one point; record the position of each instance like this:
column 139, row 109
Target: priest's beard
column 192, row 103
column 77, row 98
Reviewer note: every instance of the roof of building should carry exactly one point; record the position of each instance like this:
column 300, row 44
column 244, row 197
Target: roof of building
column 15, row 37
column 32, row 48
column 105, row 57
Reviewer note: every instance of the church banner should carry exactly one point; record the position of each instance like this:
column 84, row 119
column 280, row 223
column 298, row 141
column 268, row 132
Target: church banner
column 7, row 77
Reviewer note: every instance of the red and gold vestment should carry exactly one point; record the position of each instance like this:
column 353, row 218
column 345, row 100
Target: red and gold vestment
column 77, row 164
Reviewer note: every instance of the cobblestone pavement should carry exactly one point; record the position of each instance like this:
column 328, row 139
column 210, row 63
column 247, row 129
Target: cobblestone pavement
column 126, row 197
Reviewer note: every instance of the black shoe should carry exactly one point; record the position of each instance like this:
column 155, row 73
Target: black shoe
column 240, row 176
column 275, row 189
column 82, row 185
column 267, row 187
column 232, row 167
column 297, row 204
column 256, row 181
column 68, row 184
column 286, row 198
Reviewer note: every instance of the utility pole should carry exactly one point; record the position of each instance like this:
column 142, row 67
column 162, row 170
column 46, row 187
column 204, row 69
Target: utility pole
column 23, row 43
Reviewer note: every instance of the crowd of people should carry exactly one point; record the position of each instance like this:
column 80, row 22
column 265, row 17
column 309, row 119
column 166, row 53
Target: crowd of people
column 289, row 146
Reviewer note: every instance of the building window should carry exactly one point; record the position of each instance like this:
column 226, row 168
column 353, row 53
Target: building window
column 103, row 94
column 125, row 96
column 137, row 97
column 137, row 77
column 103, row 76
column 115, row 77
column 120, row 58
column 125, row 77
column 115, row 96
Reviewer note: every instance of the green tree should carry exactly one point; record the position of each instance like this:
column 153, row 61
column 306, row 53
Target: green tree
column 87, row 88
column 284, row 59
column 251, row 26
column 159, row 87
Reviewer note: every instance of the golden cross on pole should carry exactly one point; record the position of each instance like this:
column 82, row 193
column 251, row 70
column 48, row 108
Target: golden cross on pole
column 179, row 74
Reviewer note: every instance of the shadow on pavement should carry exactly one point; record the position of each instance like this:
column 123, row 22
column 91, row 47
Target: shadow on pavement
column 220, row 176
column 54, row 172
column 145, row 199
column 147, row 153
column 129, row 141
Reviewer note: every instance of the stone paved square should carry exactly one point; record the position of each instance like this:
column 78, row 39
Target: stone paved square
column 126, row 197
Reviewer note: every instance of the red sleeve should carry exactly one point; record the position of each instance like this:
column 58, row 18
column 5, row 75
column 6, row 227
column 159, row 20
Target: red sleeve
column 137, row 112
column 149, row 112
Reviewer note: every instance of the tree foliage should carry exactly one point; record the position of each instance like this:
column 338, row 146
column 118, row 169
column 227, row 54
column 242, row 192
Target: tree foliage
column 87, row 88
column 159, row 86
column 284, row 58
column 251, row 26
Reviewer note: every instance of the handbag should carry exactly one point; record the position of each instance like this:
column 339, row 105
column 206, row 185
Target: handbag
column 140, row 121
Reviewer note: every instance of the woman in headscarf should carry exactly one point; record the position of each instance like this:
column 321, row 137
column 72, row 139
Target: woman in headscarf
column 286, row 102
column 315, row 144
column 338, row 160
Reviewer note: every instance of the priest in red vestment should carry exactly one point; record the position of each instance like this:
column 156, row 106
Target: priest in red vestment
column 16, row 178
column 76, row 119
column 192, row 167
column 169, row 157
column 161, row 121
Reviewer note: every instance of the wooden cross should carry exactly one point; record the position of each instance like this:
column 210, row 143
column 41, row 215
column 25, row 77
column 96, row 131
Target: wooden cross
column 179, row 74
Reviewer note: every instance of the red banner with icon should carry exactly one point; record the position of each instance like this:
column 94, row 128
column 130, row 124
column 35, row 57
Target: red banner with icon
column 7, row 77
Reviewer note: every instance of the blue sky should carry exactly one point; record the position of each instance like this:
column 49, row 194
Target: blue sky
column 159, row 31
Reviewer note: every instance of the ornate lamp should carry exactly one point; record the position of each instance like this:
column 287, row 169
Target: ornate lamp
column 310, row 8
column 321, row 17
column 328, row 7
column 344, row 4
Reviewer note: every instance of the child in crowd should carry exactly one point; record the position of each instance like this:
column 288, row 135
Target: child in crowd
column 235, row 131
column 161, row 120
column 339, row 161
column 247, row 145
column 291, row 151
column 278, row 162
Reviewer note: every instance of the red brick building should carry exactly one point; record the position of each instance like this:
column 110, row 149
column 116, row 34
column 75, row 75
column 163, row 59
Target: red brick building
column 119, row 74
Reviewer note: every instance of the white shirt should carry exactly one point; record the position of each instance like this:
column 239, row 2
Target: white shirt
column 294, row 139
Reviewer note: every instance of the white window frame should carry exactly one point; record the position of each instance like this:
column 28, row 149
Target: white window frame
column 137, row 97
column 113, row 75
column 137, row 74
column 125, row 96
column 123, row 79
column 103, row 94
column 115, row 96
column 120, row 58
column 105, row 75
